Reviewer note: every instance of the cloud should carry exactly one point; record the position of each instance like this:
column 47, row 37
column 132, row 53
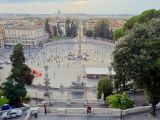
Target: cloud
column 79, row 2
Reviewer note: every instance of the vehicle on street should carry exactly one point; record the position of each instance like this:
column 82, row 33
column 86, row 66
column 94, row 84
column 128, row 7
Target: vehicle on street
column 21, row 105
column 1, row 67
column 11, row 113
column 6, row 107
column 29, row 52
column 1, row 62
column 7, row 62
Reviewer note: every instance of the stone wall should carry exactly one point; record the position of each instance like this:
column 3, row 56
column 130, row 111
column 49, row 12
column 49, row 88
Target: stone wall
column 95, row 111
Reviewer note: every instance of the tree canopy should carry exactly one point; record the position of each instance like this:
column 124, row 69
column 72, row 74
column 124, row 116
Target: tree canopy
column 137, row 57
column 20, row 72
column 13, row 92
column 102, row 29
column 105, row 86
column 89, row 33
column 47, row 27
column 144, row 17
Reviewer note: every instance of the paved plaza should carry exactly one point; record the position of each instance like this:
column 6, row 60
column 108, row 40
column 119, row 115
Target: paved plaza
column 55, row 56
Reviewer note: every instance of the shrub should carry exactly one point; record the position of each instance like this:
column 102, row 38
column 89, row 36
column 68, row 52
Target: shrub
column 27, row 97
column 116, row 101
column 3, row 101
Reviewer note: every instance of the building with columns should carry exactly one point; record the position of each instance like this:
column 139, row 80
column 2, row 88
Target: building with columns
column 26, row 35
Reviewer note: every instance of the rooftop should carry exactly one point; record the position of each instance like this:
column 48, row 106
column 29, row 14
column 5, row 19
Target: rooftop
column 24, row 28
column 98, row 71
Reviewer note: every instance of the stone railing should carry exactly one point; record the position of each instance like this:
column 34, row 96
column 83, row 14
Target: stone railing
column 82, row 111
column 31, row 112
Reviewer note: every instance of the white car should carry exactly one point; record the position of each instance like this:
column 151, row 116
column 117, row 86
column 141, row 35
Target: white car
column 12, row 113
column 1, row 62
column 7, row 62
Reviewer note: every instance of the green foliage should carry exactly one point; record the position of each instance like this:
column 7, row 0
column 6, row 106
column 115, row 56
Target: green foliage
column 13, row 92
column 20, row 71
column 3, row 101
column 27, row 97
column 1, row 93
column 104, row 86
column 84, row 30
column 47, row 27
column 137, row 57
column 55, row 30
column 102, row 29
column 116, row 83
column 71, row 28
column 89, row 33
column 145, row 17
column 119, row 101
column 118, row 33
column 59, row 30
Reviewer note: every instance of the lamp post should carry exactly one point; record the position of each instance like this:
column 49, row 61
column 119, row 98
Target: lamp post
column 109, row 75
column 36, row 97
column 122, row 102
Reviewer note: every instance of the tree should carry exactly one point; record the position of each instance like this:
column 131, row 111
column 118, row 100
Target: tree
column 115, row 101
column 105, row 86
column 102, row 29
column 20, row 71
column 55, row 30
column 73, row 29
column 89, row 33
column 47, row 27
column 144, row 17
column 111, row 34
column 68, row 29
column 60, row 32
column 13, row 92
column 137, row 57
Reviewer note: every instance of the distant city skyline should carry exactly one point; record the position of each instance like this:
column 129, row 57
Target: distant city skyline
column 75, row 6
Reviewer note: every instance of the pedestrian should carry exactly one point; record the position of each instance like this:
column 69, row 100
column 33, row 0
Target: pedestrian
column 48, row 109
column 54, row 74
column 89, row 108
column 45, row 109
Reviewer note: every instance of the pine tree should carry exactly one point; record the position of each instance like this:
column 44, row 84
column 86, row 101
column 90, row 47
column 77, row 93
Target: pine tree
column 20, row 71
column 47, row 27
column 55, row 30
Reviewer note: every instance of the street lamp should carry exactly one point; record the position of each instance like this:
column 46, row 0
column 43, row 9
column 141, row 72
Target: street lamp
column 36, row 97
column 122, row 102
column 109, row 75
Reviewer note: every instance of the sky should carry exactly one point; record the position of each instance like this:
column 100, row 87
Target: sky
column 75, row 6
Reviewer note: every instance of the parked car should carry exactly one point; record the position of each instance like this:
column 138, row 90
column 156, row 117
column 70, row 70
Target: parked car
column 21, row 105
column 6, row 107
column 1, row 62
column 29, row 52
column 12, row 113
column 7, row 62
column 1, row 67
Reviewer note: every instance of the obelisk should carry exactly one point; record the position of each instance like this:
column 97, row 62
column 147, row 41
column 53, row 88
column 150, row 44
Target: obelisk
column 79, row 42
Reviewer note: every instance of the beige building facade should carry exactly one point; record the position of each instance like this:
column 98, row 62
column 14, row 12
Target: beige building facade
column 91, row 23
column 26, row 35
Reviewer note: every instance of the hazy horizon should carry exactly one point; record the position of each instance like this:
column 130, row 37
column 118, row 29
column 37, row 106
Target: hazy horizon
column 75, row 6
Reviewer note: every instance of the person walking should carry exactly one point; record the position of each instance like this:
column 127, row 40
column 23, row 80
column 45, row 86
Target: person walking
column 45, row 109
